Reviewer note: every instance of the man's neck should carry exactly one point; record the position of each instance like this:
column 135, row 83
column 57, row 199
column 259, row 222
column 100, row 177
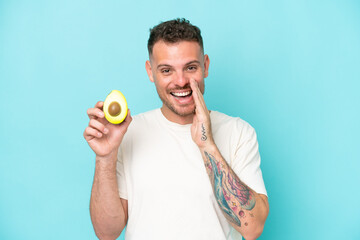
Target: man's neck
column 175, row 118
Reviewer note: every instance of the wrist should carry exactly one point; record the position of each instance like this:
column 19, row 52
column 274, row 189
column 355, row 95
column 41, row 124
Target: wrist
column 208, row 146
column 107, row 159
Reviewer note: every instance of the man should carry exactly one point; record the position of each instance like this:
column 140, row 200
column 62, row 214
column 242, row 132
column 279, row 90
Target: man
column 179, row 172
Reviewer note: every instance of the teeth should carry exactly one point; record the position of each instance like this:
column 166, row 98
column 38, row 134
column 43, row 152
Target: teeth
column 181, row 94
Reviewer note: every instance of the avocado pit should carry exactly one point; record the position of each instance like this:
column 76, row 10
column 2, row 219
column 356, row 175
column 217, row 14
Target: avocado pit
column 114, row 109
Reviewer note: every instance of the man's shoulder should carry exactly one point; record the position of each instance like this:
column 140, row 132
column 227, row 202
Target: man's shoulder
column 148, row 115
column 234, row 128
column 142, row 124
column 144, row 119
column 222, row 119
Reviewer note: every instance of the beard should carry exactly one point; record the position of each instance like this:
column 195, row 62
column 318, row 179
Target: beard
column 182, row 111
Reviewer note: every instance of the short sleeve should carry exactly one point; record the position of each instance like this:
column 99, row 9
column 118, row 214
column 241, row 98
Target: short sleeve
column 120, row 175
column 246, row 162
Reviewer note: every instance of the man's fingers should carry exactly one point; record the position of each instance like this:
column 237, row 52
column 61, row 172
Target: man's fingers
column 95, row 113
column 91, row 133
column 195, row 92
column 99, row 104
column 198, row 97
column 128, row 118
column 98, row 126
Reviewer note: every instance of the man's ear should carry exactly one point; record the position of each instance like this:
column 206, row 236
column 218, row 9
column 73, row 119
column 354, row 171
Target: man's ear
column 206, row 65
column 149, row 70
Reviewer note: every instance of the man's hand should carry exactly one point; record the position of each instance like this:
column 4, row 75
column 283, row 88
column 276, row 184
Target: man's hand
column 245, row 210
column 201, row 127
column 103, row 137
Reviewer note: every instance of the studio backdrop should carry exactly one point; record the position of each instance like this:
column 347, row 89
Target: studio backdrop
column 289, row 68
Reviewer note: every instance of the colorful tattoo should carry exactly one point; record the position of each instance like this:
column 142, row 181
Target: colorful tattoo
column 231, row 194
column 242, row 213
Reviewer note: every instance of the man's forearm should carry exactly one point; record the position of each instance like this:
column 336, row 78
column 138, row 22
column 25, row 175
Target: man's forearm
column 107, row 213
column 245, row 209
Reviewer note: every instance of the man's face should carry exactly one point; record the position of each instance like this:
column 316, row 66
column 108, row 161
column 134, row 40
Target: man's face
column 171, row 67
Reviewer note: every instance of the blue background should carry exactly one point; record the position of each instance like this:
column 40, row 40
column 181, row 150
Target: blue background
column 289, row 68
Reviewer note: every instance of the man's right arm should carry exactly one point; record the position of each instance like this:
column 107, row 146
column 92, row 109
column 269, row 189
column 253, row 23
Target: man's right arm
column 109, row 212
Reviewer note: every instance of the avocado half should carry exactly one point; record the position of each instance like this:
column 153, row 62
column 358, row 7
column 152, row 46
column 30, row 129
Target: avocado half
column 115, row 107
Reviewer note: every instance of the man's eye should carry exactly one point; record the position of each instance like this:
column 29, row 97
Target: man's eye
column 166, row 70
column 192, row 68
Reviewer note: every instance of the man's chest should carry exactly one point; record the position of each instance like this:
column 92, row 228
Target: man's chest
column 174, row 166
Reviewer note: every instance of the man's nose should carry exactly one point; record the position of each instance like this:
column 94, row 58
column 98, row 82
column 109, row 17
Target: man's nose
column 182, row 80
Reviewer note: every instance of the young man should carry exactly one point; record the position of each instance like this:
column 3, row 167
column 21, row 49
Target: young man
column 181, row 171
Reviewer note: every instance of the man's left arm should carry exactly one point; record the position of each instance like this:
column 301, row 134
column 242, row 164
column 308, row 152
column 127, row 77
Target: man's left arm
column 243, row 208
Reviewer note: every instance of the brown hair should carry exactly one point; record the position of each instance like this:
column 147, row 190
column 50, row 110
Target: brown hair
column 174, row 31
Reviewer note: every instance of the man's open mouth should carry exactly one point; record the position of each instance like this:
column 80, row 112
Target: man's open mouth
column 181, row 94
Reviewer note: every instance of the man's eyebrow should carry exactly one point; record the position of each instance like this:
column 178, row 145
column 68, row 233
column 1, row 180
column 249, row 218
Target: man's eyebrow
column 186, row 64
column 163, row 65
column 191, row 62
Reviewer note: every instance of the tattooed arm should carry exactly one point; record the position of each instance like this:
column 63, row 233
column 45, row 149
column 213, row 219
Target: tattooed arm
column 243, row 208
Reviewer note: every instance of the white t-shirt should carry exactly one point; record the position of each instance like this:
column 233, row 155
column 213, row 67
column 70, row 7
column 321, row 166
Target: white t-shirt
column 161, row 173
